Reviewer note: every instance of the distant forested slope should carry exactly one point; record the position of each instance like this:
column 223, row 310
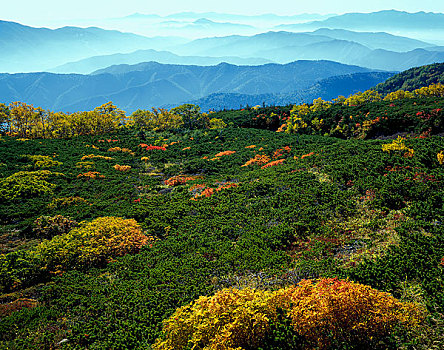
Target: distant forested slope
column 413, row 78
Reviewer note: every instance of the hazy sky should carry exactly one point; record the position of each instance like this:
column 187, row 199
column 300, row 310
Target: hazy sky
column 45, row 11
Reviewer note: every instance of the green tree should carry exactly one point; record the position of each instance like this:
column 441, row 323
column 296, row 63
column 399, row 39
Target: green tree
column 191, row 116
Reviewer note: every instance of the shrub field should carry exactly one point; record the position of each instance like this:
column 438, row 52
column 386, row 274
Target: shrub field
column 327, row 236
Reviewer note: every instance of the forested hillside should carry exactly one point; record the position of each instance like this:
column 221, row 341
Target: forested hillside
column 314, row 226
column 413, row 79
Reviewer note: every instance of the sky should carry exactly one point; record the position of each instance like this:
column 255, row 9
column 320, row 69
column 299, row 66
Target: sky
column 41, row 12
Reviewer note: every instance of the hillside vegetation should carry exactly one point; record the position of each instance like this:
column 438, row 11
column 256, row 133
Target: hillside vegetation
column 177, row 229
column 414, row 78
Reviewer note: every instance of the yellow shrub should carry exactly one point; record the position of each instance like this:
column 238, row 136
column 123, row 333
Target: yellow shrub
column 94, row 156
column 86, row 165
column 217, row 124
column 398, row 145
column 43, row 161
column 231, row 318
column 67, row 201
column 440, row 157
column 431, row 90
column 398, row 95
column 361, row 98
column 323, row 313
column 91, row 244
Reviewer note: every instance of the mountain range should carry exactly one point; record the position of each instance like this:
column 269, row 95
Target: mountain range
column 83, row 50
column 154, row 84
column 91, row 64
column 26, row 49
column 336, row 45
column 386, row 20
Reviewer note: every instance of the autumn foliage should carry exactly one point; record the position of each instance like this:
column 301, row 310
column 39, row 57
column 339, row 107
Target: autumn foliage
column 179, row 180
column 91, row 244
column 258, row 159
column 273, row 163
column 322, row 313
column 123, row 168
column 23, row 120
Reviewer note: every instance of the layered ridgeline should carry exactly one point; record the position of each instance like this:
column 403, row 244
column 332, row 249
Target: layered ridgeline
column 342, row 39
column 42, row 48
column 370, row 50
column 419, row 24
column 152, row 84
column 367, row 49
column 175, row 229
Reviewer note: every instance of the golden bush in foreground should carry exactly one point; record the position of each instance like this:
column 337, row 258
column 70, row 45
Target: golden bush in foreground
column 91, row 244
column 323, row 313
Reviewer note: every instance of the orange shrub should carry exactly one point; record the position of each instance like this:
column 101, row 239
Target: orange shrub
column 273, row 163
column 307, row 155
column 114, row 149
column 91, row 175
column 344, row 311
column 122, row 167
column 280, row 152
column 208, row 192
column 258, row 159
column 224, row 153
column 180, row 180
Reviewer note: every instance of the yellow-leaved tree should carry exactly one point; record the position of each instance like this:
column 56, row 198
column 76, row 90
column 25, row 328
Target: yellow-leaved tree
column 155, row 120
column 23, row 120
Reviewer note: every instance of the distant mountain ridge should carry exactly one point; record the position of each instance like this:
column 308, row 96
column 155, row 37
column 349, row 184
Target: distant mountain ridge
column 348, row 47
column 43, row 49
column 92, row 64
column 27, row 48
column 375, row 40
column 153, row 84
column 283, row 47
column 383, row 20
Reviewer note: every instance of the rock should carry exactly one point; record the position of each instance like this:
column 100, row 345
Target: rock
column 63, row 341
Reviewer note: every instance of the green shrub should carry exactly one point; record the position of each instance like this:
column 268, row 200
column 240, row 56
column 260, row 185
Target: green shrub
column 25, row 184
column 50, row 226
